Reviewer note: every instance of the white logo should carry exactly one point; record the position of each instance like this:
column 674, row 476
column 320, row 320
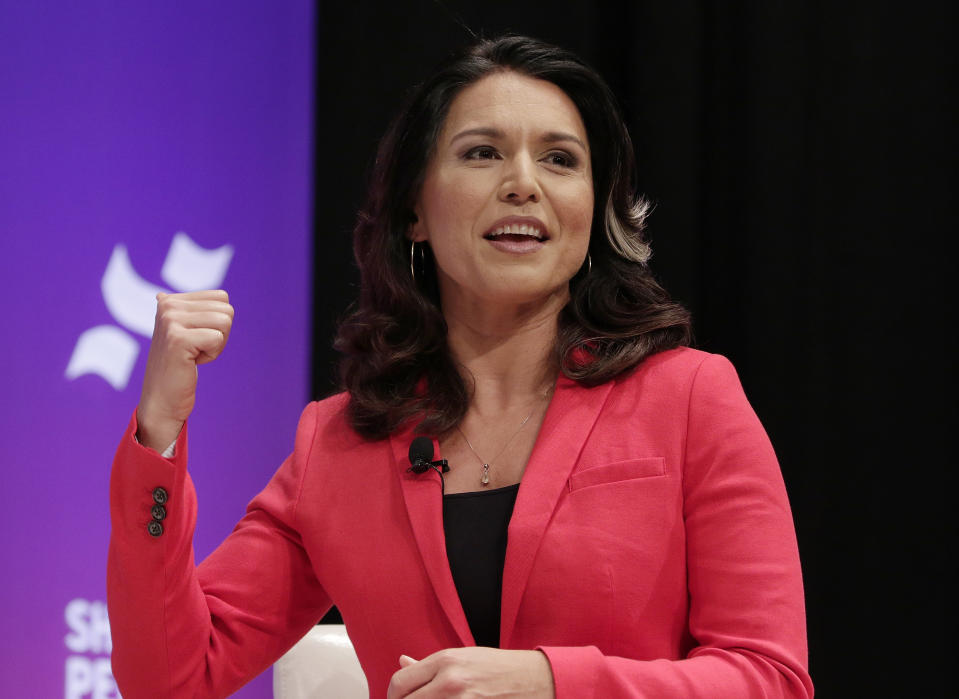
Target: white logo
column 87, row 670
column 108, row 351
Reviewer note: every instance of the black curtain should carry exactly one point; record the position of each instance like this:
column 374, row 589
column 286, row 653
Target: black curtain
column 802, row 158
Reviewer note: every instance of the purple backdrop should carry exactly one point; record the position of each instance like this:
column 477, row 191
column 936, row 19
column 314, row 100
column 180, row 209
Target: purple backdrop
column 122, row 125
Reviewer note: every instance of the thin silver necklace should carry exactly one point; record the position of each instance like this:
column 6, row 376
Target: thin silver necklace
column 486, row 464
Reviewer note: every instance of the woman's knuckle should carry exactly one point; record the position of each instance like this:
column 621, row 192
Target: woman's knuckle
column 447, row 655
column 453, row 683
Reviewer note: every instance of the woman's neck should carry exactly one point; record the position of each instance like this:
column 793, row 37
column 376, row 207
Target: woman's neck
column 508, row 354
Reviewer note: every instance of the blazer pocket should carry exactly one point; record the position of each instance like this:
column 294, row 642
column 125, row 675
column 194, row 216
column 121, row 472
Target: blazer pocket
column 618, row 471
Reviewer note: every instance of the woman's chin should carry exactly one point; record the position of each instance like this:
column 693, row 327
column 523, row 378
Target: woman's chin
column 525, row 297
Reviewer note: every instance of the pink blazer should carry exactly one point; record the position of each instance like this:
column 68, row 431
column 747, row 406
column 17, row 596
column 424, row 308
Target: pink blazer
column 651, row 552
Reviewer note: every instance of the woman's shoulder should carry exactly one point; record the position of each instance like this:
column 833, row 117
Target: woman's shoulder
column 331, row 407
column 327, row 422
column 679, row 361
column 327, row 419
column 677, row 370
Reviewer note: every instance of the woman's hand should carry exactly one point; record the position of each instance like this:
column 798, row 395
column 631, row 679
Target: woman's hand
column 474, row 671
column 190, row 329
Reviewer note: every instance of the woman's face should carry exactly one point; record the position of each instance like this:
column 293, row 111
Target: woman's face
column 507, row 199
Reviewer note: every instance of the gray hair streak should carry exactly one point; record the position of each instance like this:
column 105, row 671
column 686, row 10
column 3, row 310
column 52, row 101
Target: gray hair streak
column 626, row 237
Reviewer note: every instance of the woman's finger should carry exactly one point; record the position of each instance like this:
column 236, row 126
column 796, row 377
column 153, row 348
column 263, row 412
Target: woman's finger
column 208, row 343
column 202, row 319
column 411, row 676
column 175, row 304
column 204, row 294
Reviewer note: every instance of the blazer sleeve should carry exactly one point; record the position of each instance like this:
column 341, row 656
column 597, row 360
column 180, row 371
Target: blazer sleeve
column 181, row 630
column 746, row 612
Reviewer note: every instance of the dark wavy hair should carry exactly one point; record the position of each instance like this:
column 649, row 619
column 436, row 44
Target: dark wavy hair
column 396, row 364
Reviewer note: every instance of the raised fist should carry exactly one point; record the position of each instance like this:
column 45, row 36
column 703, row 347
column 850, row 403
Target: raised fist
column 190, row 329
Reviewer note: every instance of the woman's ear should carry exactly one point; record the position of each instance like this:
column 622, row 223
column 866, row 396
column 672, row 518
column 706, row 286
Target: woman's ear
column 414, row 230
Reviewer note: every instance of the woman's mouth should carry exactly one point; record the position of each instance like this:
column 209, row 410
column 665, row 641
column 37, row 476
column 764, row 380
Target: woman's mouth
column 517, row 237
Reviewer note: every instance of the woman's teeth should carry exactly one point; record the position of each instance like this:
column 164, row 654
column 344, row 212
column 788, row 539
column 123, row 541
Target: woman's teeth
column 516, row 229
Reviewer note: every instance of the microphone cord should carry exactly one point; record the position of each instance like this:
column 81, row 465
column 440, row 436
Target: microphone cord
column 435, row 467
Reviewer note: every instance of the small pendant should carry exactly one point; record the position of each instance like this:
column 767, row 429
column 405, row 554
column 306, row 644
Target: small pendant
column 485, row 479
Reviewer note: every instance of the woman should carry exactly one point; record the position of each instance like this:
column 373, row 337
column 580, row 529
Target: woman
column 613, row 521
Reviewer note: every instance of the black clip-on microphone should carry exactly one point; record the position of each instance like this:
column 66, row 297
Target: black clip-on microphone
column 421, row 458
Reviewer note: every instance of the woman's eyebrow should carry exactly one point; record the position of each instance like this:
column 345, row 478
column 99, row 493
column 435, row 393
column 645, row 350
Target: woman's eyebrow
column 562, row 136
column 478, row 131
column 548, row 137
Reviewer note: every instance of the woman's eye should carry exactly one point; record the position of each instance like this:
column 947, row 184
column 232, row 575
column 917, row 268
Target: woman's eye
column 481, row 153
column 561, row 159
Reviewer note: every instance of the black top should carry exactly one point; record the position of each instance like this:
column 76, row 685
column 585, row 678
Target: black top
column 475, row 526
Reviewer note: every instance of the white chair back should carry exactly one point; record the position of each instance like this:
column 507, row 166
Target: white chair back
column 321, row 664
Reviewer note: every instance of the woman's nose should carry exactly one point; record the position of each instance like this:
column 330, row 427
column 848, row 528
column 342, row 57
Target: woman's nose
column 519, row 183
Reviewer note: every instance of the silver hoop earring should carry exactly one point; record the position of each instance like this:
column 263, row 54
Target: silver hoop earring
column 588, row 262
column 413, row 259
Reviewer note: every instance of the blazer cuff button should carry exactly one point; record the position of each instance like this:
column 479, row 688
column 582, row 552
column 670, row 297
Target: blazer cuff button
column 155, row 528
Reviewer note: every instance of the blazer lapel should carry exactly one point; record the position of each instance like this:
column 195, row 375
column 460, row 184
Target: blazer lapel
column 424, row 504
column 568, row 422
